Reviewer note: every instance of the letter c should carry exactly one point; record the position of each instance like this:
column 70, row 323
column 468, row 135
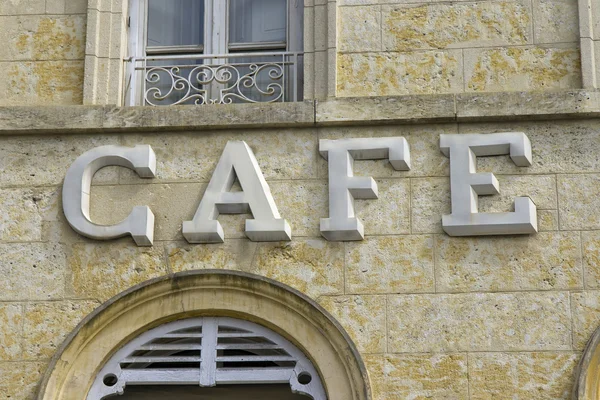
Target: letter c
column 76, row 193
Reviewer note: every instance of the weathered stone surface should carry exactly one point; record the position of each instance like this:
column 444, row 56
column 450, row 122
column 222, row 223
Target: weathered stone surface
column 544, row 261
column 385, row 109
column 386, row 74
column 223, row 116
column 41, row 83
column 234, row 254
column 20, row 380
column 558, row 147
column 23, row 212
column 541, row 189
column 591, row 259
column 101, row 270
column 424, row 142
column 171, row 204
column 302, row 204
column 32, row 271
column 556, row 21
column 479, row 322
column 76, row 6
column 281, row 154
column 521, row 68
column 400, row 264
column 47, row 324
column 579, row 201
column 44, row 38
column 511, row 105
column 359, row 30
column 314, row 267
column 57, row 119
column 21, row 7
column 586, row 316
column 389, row 214
column 44, row 161
column 11, row 329
column 363, row 317
column 547, row 220
column 438, row 376
column 455, row 25
column 431, row 198
column 532, row 376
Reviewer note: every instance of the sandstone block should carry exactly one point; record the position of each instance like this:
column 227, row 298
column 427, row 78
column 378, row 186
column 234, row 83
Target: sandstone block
column 425, row 376
column 591, row 259
column 544, row 261
column 17, row 7
column 535, row 376
column 24, row 211
column 101, row 270
column 363, row 317
column 281, row 154
column 479, row 322
column 586, row 317
column 32, row 271
column 579, row 201
column 171, row 204
column 47, row 324
column 76, row 7
column 396, row 264
column 19, row 380
column 302, row 204
column 389, row 214
column 521, row 68
column 359, row 30
column 35, row 161
column 455, row 25
column 312, row 266
column 42, row 37
column 41, row 83
column 556, row 21
column 396, row 73
column 11, row 329
column 234, row 254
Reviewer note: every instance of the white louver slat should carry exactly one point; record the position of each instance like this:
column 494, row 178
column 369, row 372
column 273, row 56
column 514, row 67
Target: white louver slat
column 208, row 351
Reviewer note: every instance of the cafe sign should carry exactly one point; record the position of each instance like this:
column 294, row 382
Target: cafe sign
column 238, row 161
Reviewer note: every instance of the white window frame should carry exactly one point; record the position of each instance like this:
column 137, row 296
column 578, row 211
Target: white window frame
column 115, row 375
column 216, row 40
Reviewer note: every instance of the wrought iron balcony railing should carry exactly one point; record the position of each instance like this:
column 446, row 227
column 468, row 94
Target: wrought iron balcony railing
column 214, row 79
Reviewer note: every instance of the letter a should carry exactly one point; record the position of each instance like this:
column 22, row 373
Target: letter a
column 238, row 161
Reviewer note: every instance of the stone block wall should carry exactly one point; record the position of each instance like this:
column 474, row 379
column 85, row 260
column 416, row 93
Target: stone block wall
column 396, row 47
column 42, row 51
column 385, row 47
column 433, row 316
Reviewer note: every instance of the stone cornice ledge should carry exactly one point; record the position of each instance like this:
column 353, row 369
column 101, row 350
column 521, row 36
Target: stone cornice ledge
column 441, row 108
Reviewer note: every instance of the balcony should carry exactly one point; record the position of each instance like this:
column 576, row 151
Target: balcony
column 198, row 79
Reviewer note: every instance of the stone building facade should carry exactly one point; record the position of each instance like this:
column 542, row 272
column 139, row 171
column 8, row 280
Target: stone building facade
column 426, row 315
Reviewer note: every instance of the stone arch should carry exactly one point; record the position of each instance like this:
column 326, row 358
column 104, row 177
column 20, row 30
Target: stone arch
column 207, row 293
column 587, row 375
column 107, row 39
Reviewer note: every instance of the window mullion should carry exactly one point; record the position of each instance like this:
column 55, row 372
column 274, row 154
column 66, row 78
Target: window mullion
column 208, row 363
column 218, row 24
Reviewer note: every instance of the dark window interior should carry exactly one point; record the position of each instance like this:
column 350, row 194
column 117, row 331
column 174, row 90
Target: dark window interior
column 224, row 392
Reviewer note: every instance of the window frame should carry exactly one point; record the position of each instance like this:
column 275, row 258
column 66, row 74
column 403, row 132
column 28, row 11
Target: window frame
column 216, row 41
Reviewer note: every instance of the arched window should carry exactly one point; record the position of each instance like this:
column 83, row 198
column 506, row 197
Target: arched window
column 248, row 360
column 214, row 51
column 207, row 334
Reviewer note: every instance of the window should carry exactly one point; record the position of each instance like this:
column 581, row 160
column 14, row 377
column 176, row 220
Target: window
column 214, row 51
column 211, row 357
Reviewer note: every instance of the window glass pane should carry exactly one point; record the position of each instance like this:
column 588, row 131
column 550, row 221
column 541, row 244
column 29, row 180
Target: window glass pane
column 175, row 22
column 256, row 21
